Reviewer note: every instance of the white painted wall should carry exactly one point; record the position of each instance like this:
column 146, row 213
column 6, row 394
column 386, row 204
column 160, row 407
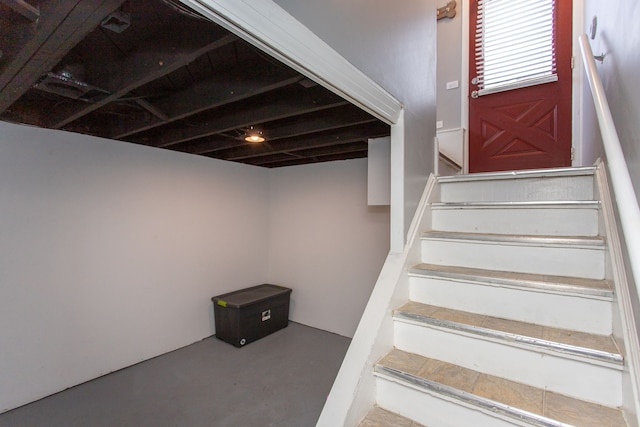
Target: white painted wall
column 449, row 69
column 379, row 172
column 450, row 102
column 618, row 37
column 110, row 252
column 329, row 256
column 396, row 47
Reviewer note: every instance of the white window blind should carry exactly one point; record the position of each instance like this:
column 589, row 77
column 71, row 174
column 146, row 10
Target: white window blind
column 514, row 44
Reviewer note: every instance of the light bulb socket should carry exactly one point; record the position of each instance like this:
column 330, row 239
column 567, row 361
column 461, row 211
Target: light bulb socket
column 254, row 138
column 253, row 135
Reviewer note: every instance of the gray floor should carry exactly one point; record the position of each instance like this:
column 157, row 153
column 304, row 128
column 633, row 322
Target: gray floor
column 281, row 380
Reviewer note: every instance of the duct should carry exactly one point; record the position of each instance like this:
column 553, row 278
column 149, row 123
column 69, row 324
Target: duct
column 68, row 83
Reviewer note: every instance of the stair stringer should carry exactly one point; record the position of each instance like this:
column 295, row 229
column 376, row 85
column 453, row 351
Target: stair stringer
column 354, row 392
column 625, row 329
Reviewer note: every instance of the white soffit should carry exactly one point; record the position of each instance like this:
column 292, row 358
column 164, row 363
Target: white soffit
column 270, row 28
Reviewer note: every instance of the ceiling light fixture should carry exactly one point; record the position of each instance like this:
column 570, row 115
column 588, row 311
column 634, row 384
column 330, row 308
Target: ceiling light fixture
column 253, row 135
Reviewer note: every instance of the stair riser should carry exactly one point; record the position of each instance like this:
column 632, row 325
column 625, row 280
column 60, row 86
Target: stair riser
column 559, row 261
column 562, row 374
column 571, row 312
column 519, row 190
column 524, row 221
column 441, row 412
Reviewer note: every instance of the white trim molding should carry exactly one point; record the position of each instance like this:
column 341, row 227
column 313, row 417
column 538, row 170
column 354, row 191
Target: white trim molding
column 631, row 383
column 397, row 238
column 577, row 88
column 270, row 28
column 464, row 86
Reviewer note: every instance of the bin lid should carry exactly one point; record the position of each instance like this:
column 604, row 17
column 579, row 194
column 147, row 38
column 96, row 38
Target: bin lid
column 248, row 296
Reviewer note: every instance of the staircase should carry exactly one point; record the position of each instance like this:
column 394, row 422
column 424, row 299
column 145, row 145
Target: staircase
column 509, row 319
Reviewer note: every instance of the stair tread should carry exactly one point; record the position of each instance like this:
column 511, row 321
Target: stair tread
column 542, row 335
column 521, row 174
column 379, row 417
column 483, row 389
column 574, row 204
column 561, row 283
column 591, row 241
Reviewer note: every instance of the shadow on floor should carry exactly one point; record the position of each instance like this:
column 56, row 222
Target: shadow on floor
column 281, row 380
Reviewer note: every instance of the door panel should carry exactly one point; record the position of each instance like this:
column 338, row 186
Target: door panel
column 529, row 127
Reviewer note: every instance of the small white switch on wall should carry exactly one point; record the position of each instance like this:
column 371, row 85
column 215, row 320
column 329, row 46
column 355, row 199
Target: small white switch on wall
column 452, row 85
column 439, row 124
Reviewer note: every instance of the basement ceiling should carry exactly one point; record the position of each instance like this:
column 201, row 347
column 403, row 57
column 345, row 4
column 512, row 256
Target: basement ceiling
column 152, row 72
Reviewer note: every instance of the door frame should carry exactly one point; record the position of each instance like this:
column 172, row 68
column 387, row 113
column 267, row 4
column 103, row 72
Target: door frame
column 577, row 83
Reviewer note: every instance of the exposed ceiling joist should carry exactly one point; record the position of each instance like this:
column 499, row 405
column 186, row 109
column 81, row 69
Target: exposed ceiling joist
column 147, row 63
column 271, row 107
column 61, row 27
column 306, row 142
column 359, row 147
column 295, row 161
column 159, row 114
column 221, row 89
column 149, row 72
column 23, row 8
column 330, row 118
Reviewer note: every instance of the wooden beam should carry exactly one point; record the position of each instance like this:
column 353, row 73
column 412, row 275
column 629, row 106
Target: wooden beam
column 344, row 136
column 317, row 159
column 331, row 150
column 272, row 106
column 152, row 60
column 263, row 160
column 232, row 86
column 54, row 13
column 207, row 145
column 317, row 121
column 23, row 8
column 61, row 27
column 320, row 121
column 152, row 109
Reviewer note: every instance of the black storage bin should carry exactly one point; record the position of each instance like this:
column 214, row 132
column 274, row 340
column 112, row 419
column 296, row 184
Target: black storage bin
column 249, row 314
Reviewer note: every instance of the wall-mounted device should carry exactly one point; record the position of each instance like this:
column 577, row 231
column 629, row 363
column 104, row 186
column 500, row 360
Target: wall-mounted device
column 448, row 11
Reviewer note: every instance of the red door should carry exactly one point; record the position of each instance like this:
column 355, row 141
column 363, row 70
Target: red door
column 523, row 128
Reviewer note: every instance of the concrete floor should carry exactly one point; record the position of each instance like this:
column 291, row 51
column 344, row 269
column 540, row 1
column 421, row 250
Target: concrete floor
column 281, row 380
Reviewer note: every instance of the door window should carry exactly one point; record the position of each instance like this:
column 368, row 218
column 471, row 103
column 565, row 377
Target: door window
column 514, row 44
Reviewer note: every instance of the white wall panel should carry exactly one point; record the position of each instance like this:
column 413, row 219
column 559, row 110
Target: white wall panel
column 618, row 38
column 325, row 242
column 110, row 253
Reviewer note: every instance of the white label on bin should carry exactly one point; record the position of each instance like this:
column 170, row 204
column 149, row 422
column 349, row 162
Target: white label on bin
column 266, row 315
